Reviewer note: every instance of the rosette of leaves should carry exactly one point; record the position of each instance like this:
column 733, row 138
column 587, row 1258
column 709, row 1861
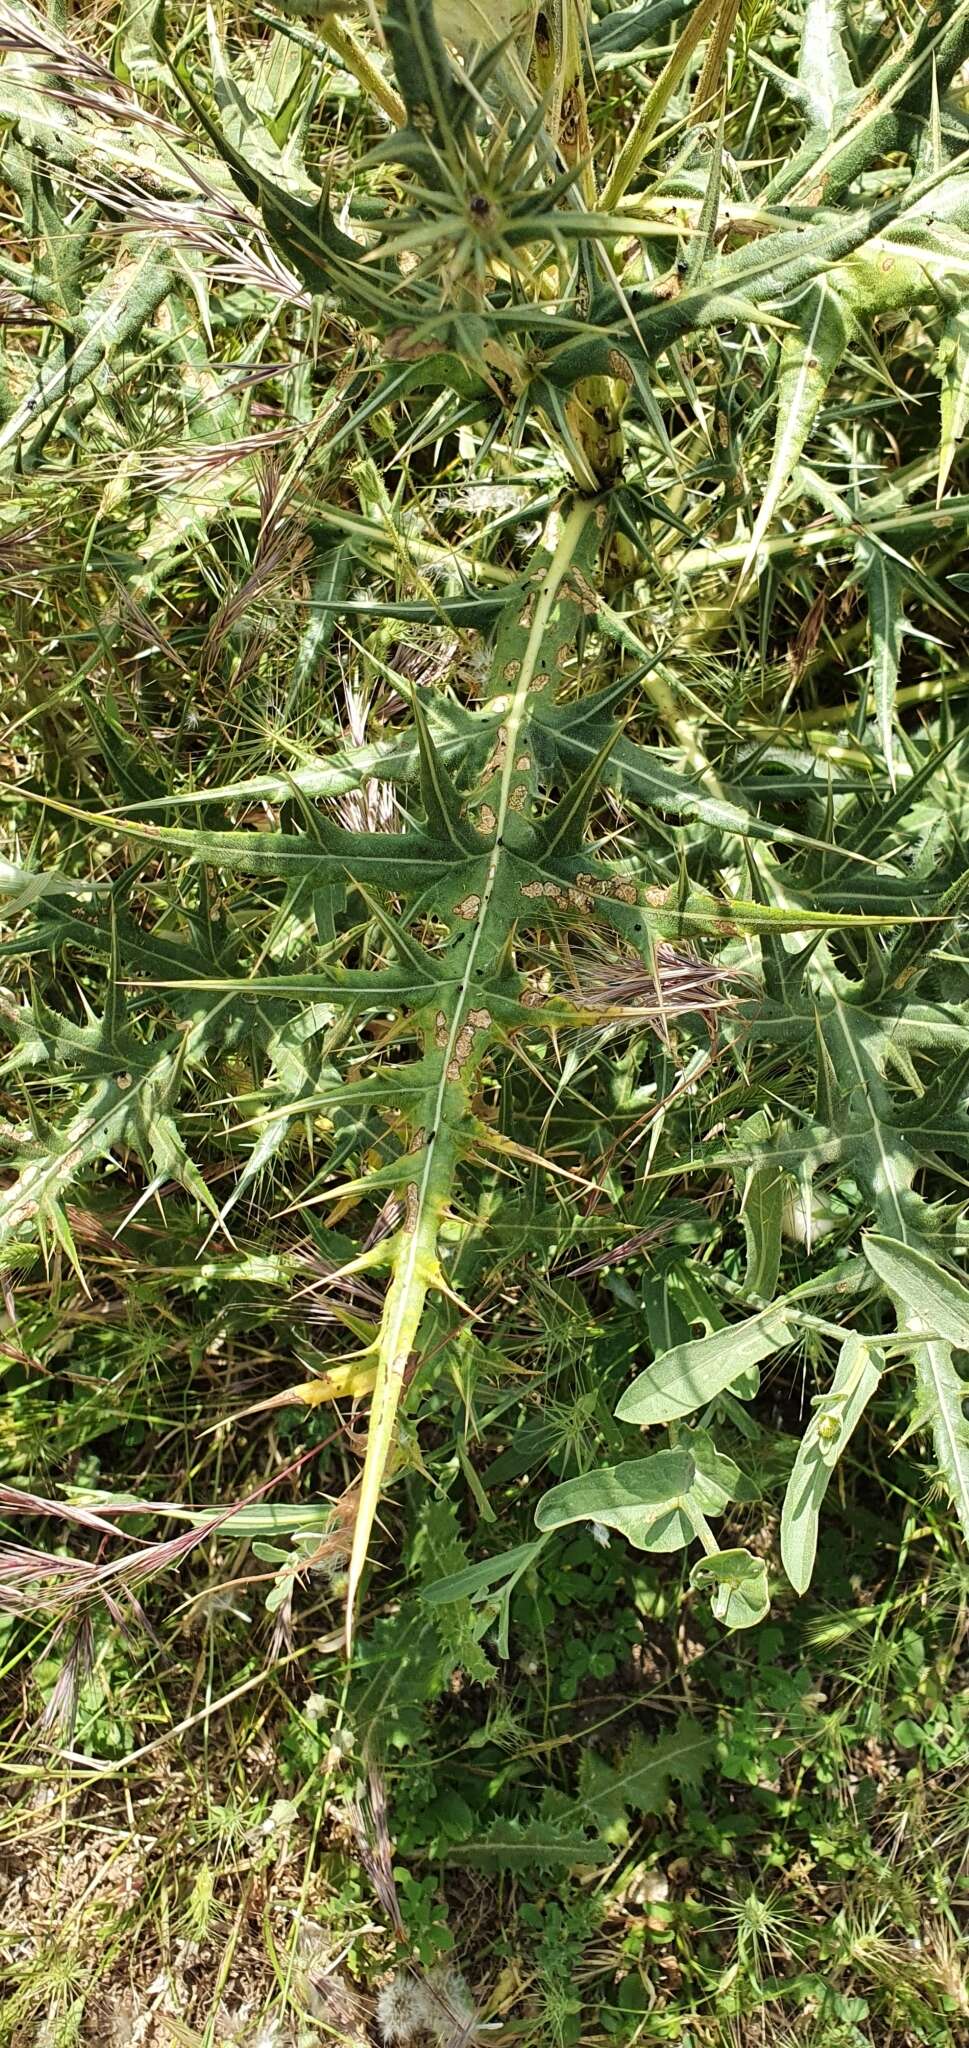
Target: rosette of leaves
column 489, row 277
column 493, row 857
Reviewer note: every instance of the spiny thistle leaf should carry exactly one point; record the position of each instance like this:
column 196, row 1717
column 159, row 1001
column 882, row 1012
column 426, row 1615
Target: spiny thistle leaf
column 577, row 1834
column 953, row 368
column 882, row 584
column 808, row 361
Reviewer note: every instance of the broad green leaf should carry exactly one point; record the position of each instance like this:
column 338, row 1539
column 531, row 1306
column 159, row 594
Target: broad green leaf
column 692, row 1374
column 882, row 582
column 836, row 1415
column 648, row 1501
column 809, row 358
column 939, row 1300
column 765, row 1192
column 942, row 1395
column 740, row 1597
column 765, row 1198
column 478, row 1581
column 718, row 1480
column 953, row 369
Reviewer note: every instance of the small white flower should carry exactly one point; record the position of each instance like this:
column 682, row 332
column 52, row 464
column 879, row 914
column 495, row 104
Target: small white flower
column 600, row 1535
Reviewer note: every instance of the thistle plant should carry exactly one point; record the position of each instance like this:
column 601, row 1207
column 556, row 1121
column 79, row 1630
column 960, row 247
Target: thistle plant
column 382, row 982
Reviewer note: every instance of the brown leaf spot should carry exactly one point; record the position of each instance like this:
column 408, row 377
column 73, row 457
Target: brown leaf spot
column 549, row 889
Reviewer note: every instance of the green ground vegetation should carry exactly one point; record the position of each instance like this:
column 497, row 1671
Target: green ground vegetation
column 485, row 1045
